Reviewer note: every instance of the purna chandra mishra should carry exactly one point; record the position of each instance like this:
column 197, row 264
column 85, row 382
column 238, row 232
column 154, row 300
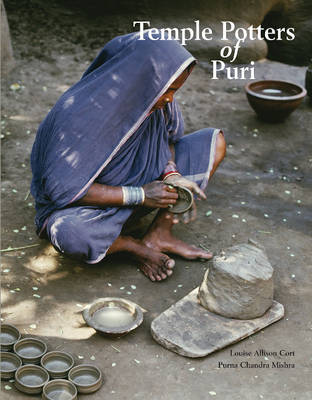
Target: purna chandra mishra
column 257, row 365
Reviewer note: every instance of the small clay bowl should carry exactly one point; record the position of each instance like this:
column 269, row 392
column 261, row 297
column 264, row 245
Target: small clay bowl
column 113, row 316
column 57, row 363
column 274, row 101
column 59, row 389
column 184, row 201
column 30, row 350
column 9, row 364
column 86, row 377
column 8, row 337
column 30, row 379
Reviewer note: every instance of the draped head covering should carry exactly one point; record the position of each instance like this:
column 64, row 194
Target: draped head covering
column 96, row 127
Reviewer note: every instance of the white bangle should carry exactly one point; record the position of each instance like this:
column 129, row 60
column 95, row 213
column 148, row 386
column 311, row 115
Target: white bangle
column 170, row 174
column 132, row 195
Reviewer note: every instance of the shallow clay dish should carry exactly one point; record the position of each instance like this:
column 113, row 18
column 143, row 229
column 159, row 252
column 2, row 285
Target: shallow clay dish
column 9, row 364
column 86, row 377
column 273, row 101
column 30, row 379
column 59, row 389
column 113, row 316
column 30, row 350
column 57, row 363
column 184, row 202
column 8, row 337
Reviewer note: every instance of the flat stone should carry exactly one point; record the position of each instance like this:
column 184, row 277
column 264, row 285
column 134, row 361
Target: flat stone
column 238, row 283
column 190, row 330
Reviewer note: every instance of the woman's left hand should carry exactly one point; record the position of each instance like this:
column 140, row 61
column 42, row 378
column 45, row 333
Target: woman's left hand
column 181, row 181
column 189, row 215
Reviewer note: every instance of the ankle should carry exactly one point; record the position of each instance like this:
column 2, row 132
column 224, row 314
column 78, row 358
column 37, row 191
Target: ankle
column 163, row 222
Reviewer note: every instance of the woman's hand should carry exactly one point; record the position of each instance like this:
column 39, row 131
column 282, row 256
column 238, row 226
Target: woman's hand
column 181, row 181
column 159, row 195
column 188, row 216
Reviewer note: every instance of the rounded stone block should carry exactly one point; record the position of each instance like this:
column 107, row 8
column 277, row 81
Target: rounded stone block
column 239, row 283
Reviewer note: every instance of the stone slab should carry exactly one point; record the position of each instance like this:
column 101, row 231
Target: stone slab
column 190, row 330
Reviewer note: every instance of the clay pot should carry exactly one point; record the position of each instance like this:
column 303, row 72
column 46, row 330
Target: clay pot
column 86, row 377
column 113, row 316
column 8, row 337
column 274, row 101
column 57, row 363
column 10, row 362
column 30, row 350
column 59, row 389
column 30, row 379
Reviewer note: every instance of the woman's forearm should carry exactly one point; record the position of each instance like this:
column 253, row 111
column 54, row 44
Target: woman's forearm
column 154, row 195
column 108, row 196
column 102, row 196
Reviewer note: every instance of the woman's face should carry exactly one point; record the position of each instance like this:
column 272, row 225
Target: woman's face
column 168, row 96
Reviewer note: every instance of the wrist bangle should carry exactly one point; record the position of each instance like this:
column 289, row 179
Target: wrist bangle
column 165, row 176
column 132, row 195
column 170, row 169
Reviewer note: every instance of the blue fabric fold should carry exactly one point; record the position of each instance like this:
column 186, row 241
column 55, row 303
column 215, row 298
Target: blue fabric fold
column 101, row 128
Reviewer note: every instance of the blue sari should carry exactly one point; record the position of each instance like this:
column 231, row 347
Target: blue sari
column 101, row 130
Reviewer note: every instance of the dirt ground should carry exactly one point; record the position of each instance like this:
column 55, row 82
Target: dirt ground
column 265, row 180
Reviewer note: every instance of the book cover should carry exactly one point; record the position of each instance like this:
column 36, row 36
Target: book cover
column 261, row 190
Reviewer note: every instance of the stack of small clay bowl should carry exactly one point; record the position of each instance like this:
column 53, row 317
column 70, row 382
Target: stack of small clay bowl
column 56, row 376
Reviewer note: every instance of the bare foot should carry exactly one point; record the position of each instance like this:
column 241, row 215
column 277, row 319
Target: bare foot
column 160, row 238
column 154, row 264
column 169, row 244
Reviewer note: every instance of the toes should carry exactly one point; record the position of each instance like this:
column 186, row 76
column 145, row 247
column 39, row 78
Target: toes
column 168, row 262
column 163, row 275
column 148, row 273
column 162, row 271
column 208, row 256
column 205, row 257
column 168, row 266
column 154, row 275
column 160, row 275
column 158, row 266
column 151, row 276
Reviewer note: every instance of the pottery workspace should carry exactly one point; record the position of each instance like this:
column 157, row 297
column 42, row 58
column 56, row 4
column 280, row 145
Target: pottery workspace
column 262, row 190
column 234, row 301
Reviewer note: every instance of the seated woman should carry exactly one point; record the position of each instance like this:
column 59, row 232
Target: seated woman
column 106, row 147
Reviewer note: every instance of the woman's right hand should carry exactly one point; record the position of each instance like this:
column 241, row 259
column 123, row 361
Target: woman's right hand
column 159, row 195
